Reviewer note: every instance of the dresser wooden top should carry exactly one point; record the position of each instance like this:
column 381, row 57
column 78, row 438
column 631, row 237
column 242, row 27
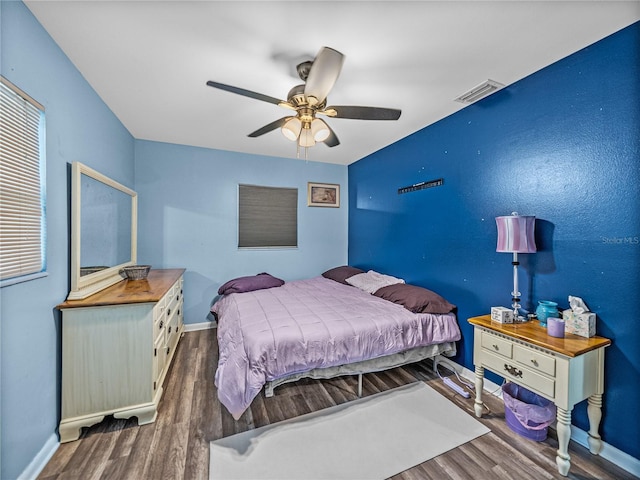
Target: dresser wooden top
column 150, row 290
column 531, row 332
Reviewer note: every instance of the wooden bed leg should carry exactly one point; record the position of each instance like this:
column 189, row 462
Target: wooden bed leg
column 359, row 385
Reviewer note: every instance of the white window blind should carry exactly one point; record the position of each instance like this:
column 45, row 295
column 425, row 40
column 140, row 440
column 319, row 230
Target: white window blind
column 21, row 183
column 267, row 216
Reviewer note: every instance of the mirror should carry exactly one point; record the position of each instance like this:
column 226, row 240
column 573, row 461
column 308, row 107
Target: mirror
column 103, row 231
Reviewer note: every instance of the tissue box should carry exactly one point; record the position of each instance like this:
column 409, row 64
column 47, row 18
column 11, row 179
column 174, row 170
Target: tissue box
column 583, row 324
column 501, row 315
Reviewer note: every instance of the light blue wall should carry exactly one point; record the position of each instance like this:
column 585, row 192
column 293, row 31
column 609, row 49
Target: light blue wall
column 188, row 217
column 78, row 127
column 562, row 144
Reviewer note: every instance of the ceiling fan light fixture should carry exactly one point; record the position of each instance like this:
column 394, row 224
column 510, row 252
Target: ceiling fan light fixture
column 310, row 99
column 291, row 128
column 320, row 130
column 306, row 137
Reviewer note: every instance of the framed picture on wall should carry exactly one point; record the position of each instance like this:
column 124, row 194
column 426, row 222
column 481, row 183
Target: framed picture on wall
column 323, row 195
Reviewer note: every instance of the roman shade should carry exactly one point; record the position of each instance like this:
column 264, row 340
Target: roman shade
column 267, row 216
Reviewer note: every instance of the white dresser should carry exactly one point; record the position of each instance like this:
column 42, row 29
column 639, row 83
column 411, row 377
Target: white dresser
column 117, row 346
column 564, row 370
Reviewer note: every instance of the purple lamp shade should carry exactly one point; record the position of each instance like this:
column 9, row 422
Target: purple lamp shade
column 516, row 234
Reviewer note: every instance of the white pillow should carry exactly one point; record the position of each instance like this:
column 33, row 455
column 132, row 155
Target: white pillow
column 372, row 281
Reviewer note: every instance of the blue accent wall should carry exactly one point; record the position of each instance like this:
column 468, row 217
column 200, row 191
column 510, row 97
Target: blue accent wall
column 187, row 217
column 562, row 144
column 79, row 126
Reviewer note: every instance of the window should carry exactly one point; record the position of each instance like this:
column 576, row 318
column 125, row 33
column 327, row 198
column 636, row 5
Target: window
column 267, row 216
column 21, row 184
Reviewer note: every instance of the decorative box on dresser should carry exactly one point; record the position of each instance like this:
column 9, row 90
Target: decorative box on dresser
column 564, row 370
column 117, row 346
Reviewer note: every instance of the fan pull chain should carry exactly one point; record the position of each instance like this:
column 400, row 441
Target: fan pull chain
column 306, row 150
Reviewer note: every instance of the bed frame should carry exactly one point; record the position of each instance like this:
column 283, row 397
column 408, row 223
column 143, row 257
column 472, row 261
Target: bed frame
column 367, row 366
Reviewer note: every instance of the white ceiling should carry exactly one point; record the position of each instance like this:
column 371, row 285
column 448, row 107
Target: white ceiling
column 150, row 60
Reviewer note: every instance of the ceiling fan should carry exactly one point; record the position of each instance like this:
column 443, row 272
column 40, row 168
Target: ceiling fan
column 310, row 99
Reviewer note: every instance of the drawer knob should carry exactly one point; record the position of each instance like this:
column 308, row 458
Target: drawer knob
column 534, row 361
column 161, row 325
column 168, row 312
column 495, row 347
column 513, row 370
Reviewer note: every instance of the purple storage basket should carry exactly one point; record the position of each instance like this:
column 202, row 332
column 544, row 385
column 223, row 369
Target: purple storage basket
column 527, row 413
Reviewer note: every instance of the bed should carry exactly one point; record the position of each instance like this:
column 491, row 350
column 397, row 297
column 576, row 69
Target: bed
column 319, row 328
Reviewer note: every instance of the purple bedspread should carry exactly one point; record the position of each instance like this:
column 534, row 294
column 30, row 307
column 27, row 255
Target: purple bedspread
column 268, row 334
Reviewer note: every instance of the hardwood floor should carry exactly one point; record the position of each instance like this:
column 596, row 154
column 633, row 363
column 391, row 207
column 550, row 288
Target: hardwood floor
column 190, row 416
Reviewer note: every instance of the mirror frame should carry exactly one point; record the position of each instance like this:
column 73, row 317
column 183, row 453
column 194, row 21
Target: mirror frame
column 86, row 285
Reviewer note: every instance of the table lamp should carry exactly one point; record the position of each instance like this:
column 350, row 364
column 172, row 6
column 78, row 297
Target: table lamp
column 516, row 235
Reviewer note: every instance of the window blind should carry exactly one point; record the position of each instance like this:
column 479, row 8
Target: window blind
column 21, row 183
column 267, row 216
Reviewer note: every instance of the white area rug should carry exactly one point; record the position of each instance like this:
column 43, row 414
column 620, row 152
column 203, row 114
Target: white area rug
column 373, row 437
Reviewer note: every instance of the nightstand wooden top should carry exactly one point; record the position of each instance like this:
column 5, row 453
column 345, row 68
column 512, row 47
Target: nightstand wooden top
column 531, row 332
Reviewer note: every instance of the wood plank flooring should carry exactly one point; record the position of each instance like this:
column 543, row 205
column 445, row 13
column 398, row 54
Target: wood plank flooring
column 176, row 446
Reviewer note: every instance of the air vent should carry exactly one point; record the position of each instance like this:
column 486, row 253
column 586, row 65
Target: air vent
column 483, row 90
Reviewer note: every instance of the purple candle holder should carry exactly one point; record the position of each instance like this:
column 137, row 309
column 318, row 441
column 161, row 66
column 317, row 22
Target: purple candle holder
column 555, row 327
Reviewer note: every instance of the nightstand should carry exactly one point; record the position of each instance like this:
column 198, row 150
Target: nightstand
column 564, row 370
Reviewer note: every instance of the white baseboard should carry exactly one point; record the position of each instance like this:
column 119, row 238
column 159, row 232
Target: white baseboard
column 40, row 460
column 610, row 453
column 618, row 457
column 193, row 327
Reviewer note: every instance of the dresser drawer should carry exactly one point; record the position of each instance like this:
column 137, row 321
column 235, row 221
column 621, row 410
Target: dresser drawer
column 519, row 374
column 173, row 328
column 496, row 344
column 173, row 300
column 166, row 306
column 158, row 309
column 159, row 360
column 534, row 359
column 160, row 323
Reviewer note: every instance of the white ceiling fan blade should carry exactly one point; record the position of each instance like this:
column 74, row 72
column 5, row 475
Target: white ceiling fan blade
column 323, row 75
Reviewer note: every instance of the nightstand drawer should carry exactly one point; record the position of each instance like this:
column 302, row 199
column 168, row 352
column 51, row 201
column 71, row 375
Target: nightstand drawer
column 495, row 344
column 519, row 374
column 534, row 359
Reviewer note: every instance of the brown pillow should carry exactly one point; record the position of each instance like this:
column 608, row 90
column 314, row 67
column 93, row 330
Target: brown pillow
column 340, row 274
column 415, row 299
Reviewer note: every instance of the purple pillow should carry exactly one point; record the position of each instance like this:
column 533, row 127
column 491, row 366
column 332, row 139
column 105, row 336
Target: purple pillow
column 415, row 299
column 340, row 274
column 249, row 284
